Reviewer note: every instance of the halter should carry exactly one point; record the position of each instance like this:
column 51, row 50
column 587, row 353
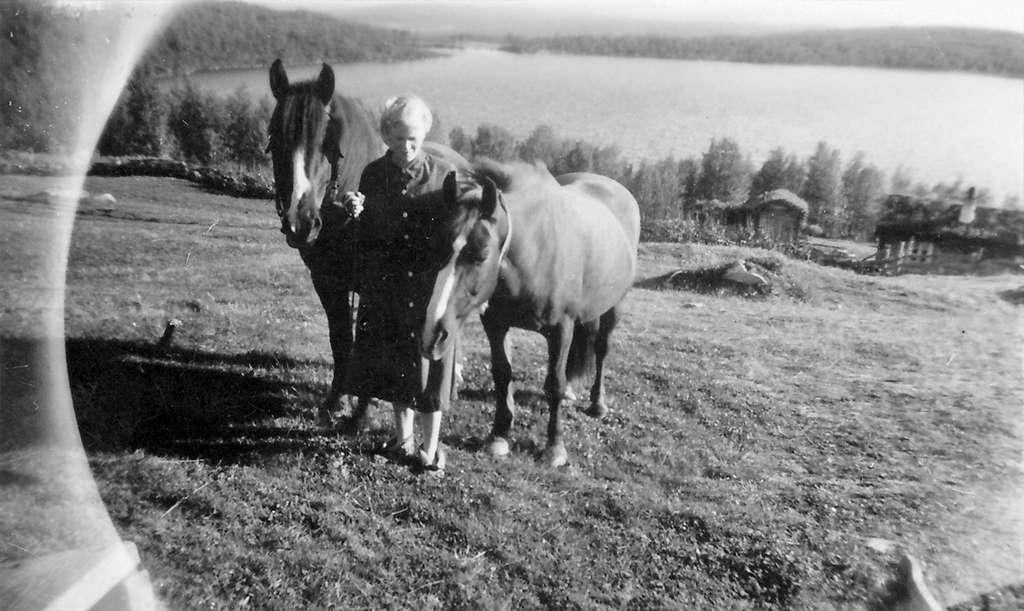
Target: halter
column 330, row 193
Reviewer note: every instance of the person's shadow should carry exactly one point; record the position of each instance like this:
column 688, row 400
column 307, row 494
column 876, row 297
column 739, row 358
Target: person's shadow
column 187, row 403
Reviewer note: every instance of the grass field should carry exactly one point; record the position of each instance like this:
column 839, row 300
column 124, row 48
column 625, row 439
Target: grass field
column 755, row 444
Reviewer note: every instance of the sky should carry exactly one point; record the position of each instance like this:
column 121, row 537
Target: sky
column 995, row 14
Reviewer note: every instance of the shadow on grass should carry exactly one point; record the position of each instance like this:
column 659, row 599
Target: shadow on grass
column 1014, row 296
column 188, row 403
column 521, row 396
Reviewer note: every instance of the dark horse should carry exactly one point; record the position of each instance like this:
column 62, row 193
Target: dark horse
column 552, row 255
column 319, row 143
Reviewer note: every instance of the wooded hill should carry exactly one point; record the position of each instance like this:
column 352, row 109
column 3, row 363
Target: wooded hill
column 43, row 58
column 214, row 36
column 933, row 48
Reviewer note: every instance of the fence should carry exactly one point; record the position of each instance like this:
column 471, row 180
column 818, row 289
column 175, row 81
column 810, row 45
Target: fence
column 913, row 257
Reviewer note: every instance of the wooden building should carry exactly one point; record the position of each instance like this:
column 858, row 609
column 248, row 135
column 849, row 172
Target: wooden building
column 776, row 217
column 917, row 235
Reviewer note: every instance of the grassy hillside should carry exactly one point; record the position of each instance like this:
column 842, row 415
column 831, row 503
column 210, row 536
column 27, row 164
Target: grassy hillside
column 755, row 443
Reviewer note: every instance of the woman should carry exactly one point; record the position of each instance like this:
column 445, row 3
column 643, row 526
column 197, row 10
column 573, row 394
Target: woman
column 395, row 279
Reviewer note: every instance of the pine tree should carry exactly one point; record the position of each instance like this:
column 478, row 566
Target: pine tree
column 822, row 190
column 862, row 187
column 724, row 172
column 136, row 125
column 779, row 171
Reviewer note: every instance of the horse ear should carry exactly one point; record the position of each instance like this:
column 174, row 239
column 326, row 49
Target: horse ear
column 489, row 201
column 325, row 85
column 451, row 188
column 278, row 79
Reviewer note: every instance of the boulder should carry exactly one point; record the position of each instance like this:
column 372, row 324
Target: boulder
column 103, row 199
column 739, row 273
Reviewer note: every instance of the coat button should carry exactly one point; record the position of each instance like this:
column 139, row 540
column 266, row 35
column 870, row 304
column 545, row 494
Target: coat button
column 409, row 273
column 405, row 214
column 412, row 305
column 403, row 191
column 406, row 236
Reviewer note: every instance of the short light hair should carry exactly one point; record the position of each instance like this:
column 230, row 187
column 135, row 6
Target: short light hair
column 408, row 109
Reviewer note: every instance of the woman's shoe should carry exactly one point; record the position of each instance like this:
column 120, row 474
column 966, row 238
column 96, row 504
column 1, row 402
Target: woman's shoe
column 399, row 450
column 568, row 394
column 435, row 467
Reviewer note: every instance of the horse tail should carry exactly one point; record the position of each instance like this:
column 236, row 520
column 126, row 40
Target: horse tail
column 581, row 351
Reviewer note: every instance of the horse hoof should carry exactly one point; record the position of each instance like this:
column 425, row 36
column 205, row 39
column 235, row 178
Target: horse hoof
column 497, row 447
column 555, row 456
column 354, row 425
column 597, row 409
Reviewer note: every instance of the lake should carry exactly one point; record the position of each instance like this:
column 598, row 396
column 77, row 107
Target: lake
column 940, row 125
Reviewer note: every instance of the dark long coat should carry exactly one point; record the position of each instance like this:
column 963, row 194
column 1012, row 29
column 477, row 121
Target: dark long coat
column 395, row 277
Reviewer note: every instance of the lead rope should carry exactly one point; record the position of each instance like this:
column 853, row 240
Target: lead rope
column 508, row 235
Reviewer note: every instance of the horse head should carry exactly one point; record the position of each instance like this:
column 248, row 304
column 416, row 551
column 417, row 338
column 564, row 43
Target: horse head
column 304, row 148
column 472, row 238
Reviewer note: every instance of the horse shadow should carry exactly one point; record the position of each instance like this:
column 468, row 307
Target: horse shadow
column 187, row 403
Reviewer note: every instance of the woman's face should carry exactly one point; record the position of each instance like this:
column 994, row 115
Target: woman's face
column 405, row 141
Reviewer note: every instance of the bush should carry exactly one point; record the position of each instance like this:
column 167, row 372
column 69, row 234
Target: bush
column 684, row 230
column 495, row 142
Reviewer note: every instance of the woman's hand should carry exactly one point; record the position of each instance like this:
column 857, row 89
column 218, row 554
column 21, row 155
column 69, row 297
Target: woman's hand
column 353, row 203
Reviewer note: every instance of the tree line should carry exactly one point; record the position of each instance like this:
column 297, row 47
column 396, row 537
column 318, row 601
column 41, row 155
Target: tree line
column 187, row 124
column 930, row 48
column 845, row 195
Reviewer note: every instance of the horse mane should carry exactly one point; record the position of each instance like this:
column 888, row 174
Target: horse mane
column 360, row 143
column 513, row 175
column 357, row 118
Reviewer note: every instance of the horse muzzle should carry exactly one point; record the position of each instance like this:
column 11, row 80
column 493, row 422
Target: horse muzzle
column 302, row 235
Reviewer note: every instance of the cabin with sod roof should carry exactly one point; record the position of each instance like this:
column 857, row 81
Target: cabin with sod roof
column 918, row 235
column 776, row 216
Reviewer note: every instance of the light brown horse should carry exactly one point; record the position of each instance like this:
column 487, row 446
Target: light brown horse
column 550, row 255
column 319, row 144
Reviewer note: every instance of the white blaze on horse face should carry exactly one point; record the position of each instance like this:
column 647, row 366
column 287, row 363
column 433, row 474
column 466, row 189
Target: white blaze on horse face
column 300, row 184
column 443, row 286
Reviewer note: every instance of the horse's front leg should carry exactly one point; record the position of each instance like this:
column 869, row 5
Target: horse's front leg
column 501, row 371
column 334, row 297
column 559, row 340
